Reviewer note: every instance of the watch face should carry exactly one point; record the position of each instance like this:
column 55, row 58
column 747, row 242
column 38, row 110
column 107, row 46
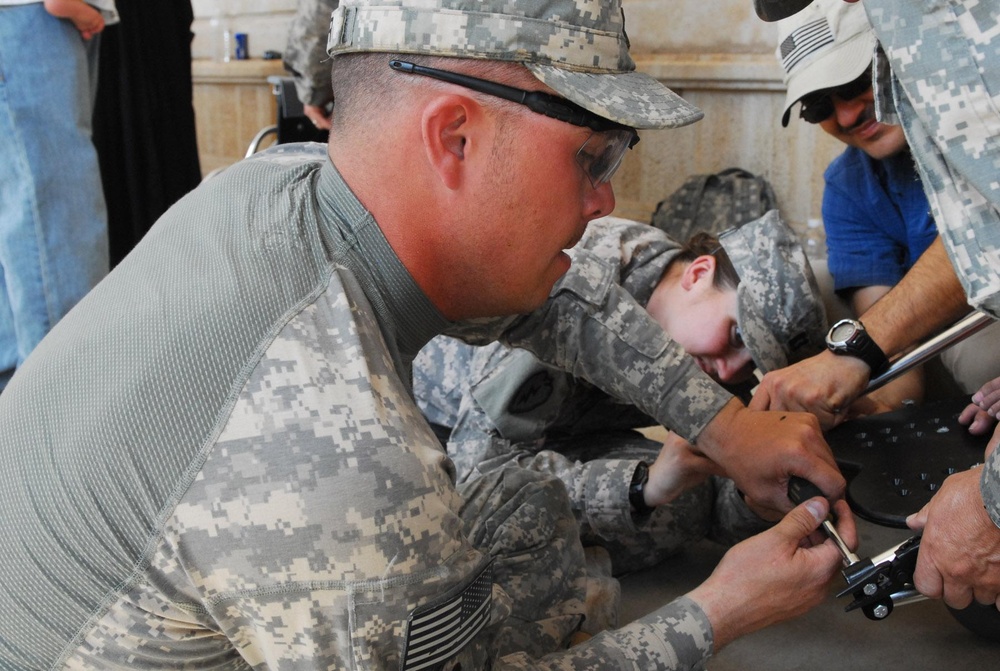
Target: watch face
column 842, row 332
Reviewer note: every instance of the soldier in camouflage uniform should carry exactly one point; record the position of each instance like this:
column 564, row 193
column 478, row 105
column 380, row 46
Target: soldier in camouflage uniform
column 502, row 406
column 305, row 57
column 936, row 73
column 215, row 460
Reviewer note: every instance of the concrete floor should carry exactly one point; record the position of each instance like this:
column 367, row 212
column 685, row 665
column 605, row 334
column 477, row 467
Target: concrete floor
column 915, row 637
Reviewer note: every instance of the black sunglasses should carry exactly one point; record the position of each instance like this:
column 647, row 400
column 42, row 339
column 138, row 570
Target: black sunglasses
column 818, row 105
column 537, row 101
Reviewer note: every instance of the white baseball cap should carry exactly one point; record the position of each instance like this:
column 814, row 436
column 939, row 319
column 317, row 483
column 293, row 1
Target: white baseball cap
column 827, row 44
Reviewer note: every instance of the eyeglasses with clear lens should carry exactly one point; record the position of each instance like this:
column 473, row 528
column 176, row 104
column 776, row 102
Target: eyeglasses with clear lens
column 602, row 152
column 818, row 106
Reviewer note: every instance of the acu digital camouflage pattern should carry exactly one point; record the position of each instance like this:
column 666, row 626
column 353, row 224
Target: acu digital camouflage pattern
column 577, row 47
column 714, row 203
column 938, row 75
column 506, row 407
column 781, row 312
column 233, row 473
column 305, row 52
column 513, row 410
column 599, row 331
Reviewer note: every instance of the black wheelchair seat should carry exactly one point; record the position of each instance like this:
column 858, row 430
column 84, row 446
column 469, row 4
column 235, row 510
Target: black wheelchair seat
column 895, row 462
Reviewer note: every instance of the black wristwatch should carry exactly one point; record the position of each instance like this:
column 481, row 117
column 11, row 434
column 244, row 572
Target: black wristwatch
column 849, row 337
column 635, row 492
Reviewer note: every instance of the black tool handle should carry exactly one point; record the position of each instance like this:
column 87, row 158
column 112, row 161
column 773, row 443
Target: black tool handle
column 800, row 489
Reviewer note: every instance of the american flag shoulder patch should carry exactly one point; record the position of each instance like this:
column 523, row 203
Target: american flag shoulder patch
column 436, row 631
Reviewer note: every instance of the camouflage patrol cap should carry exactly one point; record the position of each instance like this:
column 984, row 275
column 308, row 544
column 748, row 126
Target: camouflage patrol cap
column 779, row 307
column 577, row 47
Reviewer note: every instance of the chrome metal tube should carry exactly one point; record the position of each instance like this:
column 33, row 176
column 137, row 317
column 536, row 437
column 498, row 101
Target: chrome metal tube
column 960, row 330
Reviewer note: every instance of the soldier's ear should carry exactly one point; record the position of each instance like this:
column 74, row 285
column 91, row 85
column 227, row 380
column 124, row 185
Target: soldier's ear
column 699, row 270
column 449, row 125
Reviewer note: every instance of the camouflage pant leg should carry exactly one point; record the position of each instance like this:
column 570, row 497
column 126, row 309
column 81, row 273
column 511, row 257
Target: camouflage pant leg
column 523, row 519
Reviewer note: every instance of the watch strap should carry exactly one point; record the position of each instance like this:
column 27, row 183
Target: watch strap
column 871, row 354
column 636, row 495
column 861, row 346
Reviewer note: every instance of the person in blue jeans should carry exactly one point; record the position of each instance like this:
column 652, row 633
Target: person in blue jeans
column 875, row 212
column 53, row 219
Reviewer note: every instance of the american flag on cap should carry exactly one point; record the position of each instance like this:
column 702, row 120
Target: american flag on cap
column 436, row 632
column 803, row 41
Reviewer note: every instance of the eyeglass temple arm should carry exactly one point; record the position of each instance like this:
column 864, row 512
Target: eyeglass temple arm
column 537, row 101
column 491, row 88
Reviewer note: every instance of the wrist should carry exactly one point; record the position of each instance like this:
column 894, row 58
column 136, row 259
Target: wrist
column 717, row 603
column 715, row 437
column 848, row 337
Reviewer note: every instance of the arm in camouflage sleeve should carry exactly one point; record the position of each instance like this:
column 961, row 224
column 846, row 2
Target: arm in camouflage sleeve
column 598, row 489
column 743, row 594
column 947, row 103
column 608, row 338
column 595, row 327
column 989, row 486
column 305, row 53
column 508, row 403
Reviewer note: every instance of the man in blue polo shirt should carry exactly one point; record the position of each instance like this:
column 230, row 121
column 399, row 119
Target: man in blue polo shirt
column 875, row 212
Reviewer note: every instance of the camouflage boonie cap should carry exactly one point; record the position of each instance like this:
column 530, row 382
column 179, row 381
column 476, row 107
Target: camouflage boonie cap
column 577, row 47
column 779, row 307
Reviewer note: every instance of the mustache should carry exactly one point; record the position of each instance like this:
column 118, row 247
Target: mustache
column 867, row 115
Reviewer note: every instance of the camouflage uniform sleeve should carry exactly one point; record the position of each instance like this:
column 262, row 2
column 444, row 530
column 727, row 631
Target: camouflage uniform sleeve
column 606, row 337
column 674, row 637
column 931, row 55
column 441, row 373
column 305, row 52
column 989, row 486
column 508, row 402
column 598, row 489
column 947, row 103
column 594, row 326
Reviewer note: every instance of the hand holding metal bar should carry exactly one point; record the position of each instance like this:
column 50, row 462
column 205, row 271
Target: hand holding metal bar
column 877, row 584
column 970, row 324
column 800, row 490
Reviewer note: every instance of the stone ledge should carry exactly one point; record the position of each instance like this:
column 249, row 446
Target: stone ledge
column 737, row 72
column 250, row 71
column 749, row 72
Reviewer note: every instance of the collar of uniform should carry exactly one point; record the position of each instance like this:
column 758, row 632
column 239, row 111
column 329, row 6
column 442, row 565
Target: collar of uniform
column 649, row 266
column 405, row 313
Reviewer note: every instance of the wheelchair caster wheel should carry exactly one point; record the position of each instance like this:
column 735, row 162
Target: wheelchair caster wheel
column 979, row 619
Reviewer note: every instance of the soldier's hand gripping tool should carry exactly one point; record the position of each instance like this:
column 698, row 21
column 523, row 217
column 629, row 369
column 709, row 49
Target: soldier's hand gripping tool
column 877, row 584
column 800, row 490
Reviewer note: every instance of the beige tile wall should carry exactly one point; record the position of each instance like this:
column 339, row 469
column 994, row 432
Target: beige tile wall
column 715, row 53
column 232, row 103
